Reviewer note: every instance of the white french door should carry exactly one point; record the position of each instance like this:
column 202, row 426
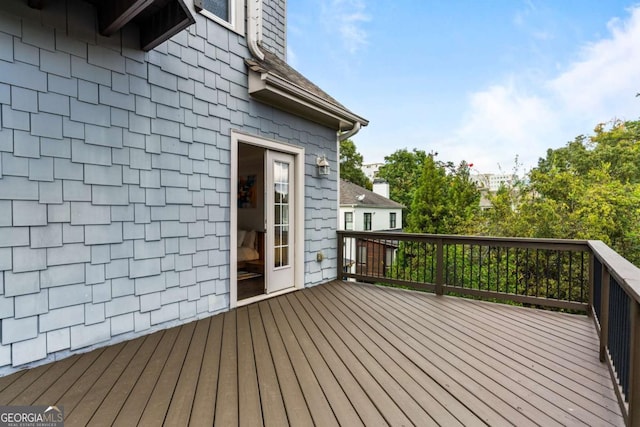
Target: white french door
column 280, row 221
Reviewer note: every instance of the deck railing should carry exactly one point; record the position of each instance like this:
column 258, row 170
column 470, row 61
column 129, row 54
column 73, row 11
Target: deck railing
column 616, row 309
column 573, row 275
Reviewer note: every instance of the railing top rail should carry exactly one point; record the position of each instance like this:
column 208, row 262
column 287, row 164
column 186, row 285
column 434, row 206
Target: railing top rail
column 622, row 270
column 561, row 244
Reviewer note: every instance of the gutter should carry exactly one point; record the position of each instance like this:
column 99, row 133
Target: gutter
column 348, row 134
column 252, row 30
column 273, row 89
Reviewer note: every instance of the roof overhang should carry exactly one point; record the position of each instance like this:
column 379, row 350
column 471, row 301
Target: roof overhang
column 285, row 95
column 158, row 20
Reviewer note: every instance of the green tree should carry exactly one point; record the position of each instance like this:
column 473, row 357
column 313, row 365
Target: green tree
column 351, row 165
column 446, row 201
column 464, row 199
column 430, row 205
column 588, row 189
column 402, row 171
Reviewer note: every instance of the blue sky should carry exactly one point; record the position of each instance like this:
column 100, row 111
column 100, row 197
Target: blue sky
column 477, row 81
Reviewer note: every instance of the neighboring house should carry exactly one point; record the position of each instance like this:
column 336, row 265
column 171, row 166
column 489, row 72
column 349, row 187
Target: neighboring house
column 126, row 128
column 364, row 210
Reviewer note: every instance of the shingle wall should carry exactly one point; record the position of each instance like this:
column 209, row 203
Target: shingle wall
column 274, row 20
column 114, row 179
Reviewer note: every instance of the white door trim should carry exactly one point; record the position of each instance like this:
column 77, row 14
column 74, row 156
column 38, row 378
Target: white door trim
column 299, row 154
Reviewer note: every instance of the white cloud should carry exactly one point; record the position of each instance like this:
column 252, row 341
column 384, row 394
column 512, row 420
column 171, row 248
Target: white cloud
column 502, row 122
column 603, row 83
column 346, row 18
column 524, row 117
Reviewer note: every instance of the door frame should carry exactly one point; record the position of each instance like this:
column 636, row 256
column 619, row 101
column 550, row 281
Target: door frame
column 298, row 153
column 282, row 277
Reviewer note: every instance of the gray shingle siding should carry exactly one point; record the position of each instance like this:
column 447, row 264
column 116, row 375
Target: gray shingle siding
column 114, row 177
column 274, row 21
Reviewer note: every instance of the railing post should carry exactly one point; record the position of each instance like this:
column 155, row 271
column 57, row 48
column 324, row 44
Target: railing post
column 439, row 267
column 604, row 313
column 340, row 271
column 592, row 284
column 634, row 369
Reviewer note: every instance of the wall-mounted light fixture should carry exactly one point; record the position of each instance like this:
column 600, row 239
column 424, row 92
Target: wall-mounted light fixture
column 323, row 165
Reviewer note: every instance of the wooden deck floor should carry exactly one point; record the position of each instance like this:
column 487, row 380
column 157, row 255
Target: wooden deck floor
column 340, row 354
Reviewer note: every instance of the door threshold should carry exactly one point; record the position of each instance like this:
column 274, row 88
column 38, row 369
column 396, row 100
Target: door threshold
column 257, row 298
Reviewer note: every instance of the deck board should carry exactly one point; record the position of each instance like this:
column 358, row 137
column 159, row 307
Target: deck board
column 294, row 403
column 92, row 399
column 57, row 390
column 344, row 412
column 250, row 409
column 133, row 407
column 431, row 409
column 227, row 396
column 77, row 390
column 459, row 380
column 340, row 354
column 367, row 380
column 376, row 367
column 204, row 402
column 44, row 381
column 537, row 344
column 527, row 384
column 357, row 397
column 110, row 406
column 182, row 402
column 274, row 413
column 515, row 355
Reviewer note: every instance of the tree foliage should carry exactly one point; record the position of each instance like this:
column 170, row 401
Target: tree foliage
column 588, row 189
column 351, row 165
column 446, row 201
column 402, row 170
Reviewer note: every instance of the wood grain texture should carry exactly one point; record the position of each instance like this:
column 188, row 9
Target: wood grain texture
column 340, row 354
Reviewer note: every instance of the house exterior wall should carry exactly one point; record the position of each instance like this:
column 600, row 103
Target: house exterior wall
column 379, row 218
column 115, row 178
column 274, row 20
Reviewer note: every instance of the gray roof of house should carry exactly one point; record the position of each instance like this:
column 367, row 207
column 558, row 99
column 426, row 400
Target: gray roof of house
column 274, row 65
column 350, row 193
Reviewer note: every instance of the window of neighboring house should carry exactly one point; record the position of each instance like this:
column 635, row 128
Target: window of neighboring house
column 348, row 220
column 367, row 221
column 392, row 220
column 229, row 13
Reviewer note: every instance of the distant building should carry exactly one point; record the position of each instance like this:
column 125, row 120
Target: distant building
column 371, row 170
column 492, row 182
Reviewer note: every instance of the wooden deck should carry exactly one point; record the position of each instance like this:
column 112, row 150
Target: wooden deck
column 340, row 354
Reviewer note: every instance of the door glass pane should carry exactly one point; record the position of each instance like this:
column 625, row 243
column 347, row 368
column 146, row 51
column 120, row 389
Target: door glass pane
column 281, row 213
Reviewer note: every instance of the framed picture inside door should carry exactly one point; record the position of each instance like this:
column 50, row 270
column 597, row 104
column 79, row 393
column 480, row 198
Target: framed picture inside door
column 247, row 191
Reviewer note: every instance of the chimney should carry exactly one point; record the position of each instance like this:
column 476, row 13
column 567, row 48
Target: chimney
column 381, row 187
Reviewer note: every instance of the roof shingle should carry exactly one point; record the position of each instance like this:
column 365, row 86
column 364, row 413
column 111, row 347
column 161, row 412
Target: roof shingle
column 351, row 194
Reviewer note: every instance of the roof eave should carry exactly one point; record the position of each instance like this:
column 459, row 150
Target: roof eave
column 357, row 205
column 279, row 92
